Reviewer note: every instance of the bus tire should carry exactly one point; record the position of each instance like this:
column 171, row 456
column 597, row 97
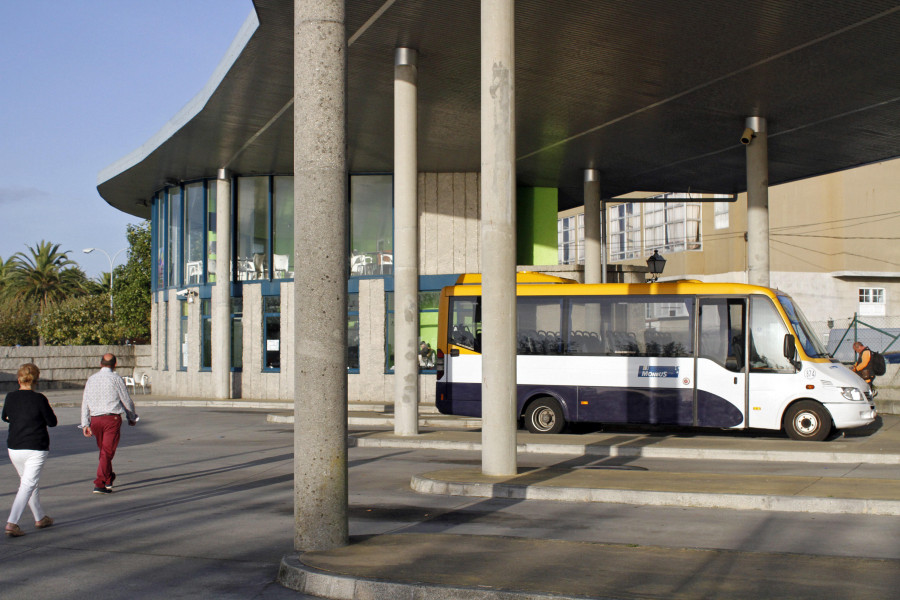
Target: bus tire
column 807, row 420
column 544, row 416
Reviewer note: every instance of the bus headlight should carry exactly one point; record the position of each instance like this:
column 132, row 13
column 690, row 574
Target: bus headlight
column 852, row 393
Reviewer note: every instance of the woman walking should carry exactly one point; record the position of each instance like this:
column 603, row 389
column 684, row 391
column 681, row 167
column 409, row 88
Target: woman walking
column 29, row 415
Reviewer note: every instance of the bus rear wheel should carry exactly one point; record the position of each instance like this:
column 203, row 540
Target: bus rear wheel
column 544, row 416
column 807, row 420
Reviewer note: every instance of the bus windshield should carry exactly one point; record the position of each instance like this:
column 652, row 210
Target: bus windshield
column 808, row 338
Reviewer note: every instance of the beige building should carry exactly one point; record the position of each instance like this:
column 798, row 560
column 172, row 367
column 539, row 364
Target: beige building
column 832, row 240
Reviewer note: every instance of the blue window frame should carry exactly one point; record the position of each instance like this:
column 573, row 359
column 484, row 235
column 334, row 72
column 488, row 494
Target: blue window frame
column 183, row 336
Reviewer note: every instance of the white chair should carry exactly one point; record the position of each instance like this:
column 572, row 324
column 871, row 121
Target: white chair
column 129, row 381
column 144, row 382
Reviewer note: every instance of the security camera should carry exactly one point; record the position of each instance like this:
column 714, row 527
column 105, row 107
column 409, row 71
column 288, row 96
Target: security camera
column 181, row 293
column 747, row 136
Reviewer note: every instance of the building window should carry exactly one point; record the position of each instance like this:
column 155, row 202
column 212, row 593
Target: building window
column 205, row 335
column 389, row 332
column 871, row 302
column 272, row 332
column 353, row 332
column 671, row 226
column 428, row 328
column 624, row 231
column 165, row 335
column 371, row 225
column 194, row 226
column 283, row 227
column 720, row 211
column 211, row 235
column 183, row 337
column 159, row 241
column 570, row 237
column 173, row 235
column 237, row 334
column 252, row 236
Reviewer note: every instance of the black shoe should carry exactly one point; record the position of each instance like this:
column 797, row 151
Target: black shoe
column 102, row 490
column 111, row 480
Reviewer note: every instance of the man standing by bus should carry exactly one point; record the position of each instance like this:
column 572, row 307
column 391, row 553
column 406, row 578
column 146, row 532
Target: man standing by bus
column 863, row 366
column 104, row 402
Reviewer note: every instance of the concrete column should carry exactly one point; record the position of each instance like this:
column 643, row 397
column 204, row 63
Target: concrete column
column 603, row 267
column 320, row 275
column 758, row 203
column 221, row 293
column 498, row 235
column 406, row 239
column 593, row 239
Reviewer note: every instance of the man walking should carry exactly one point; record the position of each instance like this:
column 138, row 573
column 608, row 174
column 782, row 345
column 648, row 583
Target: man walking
column 104, row 402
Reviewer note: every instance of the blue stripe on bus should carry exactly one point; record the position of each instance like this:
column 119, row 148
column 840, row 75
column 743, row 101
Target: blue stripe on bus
column 605, row 404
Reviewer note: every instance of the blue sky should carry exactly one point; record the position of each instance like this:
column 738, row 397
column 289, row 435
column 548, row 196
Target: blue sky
column 82, row 84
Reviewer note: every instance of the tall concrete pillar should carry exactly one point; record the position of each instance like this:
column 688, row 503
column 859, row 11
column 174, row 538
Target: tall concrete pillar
column 758, row 203
column 593, row 239
column 498, row 238
column 221, row 292
column 406, row 239
column 320, row 276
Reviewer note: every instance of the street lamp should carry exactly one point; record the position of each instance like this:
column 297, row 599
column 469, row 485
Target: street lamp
column 656, row 263
column 111, row 261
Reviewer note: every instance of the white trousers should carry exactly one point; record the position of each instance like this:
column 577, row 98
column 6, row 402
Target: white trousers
column 29, row 464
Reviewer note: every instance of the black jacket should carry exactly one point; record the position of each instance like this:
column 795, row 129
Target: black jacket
column 29, row 415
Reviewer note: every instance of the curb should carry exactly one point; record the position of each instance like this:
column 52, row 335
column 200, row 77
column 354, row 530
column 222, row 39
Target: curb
column 427, row 485
column 643, row 452
column 295, row 575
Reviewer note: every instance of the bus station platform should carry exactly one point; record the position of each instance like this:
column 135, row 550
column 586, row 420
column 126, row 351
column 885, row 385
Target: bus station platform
column 440, row 565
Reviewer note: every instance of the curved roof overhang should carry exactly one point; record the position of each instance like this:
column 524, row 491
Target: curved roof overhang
column 652, row 93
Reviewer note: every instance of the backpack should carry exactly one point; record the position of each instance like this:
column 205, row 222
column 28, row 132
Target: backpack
column 876, row 362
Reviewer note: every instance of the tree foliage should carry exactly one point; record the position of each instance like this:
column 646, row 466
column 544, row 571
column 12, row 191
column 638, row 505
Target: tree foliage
column 18, row 326
column 79, row 321
column 131, row 286
column 43, row 276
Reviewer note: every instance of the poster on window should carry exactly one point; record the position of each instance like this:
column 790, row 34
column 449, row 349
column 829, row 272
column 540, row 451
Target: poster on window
column 272, row 345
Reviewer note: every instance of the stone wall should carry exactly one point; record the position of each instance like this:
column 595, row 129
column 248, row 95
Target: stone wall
column 64, row 367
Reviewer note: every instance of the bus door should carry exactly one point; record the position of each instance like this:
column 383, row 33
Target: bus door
column 773, row 379
column 720, row 376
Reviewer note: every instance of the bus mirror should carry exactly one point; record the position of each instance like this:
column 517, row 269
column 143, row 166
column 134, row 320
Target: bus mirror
column 790, row 350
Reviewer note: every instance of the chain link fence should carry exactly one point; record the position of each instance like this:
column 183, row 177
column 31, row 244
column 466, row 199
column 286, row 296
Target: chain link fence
column 881, row 334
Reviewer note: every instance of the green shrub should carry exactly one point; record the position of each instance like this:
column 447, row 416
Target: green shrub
column 18, row 325
column 79, row 321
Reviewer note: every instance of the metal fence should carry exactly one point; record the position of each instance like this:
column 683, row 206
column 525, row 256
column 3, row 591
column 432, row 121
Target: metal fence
column 881, row 334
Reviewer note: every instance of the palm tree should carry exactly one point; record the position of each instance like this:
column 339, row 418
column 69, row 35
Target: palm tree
column 6, row 269
column 44, row 276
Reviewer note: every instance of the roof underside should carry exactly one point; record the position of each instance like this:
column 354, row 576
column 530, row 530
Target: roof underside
column 652, row 93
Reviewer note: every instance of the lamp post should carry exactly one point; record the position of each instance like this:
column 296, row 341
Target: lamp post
column 111, row 261
column 656, row 263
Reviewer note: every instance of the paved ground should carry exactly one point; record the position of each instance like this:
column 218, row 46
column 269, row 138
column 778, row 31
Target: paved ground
column 203, row 510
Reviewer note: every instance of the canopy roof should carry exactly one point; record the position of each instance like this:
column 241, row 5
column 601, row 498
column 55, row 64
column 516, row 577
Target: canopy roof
column 652, row 93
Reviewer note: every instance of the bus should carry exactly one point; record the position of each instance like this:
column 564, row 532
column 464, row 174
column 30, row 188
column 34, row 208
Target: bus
column 716, row 355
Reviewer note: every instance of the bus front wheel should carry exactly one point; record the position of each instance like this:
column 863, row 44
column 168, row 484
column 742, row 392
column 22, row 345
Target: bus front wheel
column 544, row 416
column 807, row 420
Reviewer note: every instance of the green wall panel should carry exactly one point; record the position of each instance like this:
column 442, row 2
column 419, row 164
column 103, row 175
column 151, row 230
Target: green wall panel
column 536, row 233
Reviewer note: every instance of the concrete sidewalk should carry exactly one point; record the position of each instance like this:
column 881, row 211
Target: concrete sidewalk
column 203, row 510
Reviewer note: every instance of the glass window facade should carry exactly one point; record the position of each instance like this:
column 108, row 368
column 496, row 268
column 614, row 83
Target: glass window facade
column 183, row 348
column 194, row 229
column 205, row 335
column 237, row 333
column 211, row 234
column 624, row 231
column 283, row 227
column 371, row 225
column 173, row 236
column 252, row 228
column 428, row 328
column 353, row 332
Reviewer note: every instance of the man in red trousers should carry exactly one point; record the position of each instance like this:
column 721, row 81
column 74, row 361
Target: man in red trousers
column 104, row 402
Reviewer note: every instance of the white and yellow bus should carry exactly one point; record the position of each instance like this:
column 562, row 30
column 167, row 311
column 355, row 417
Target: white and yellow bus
column 719, row 355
